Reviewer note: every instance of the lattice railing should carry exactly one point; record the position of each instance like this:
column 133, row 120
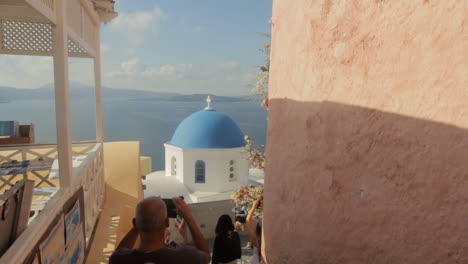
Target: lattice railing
column 75, row 50
column 22, row 37
column 36, row 153
column 26, row 36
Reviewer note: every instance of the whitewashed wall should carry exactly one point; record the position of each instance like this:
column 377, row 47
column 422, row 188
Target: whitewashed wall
column 217, row 169
column 173, row 151
column 206, row 216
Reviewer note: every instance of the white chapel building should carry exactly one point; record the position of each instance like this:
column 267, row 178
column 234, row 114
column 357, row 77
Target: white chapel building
column 204, row 161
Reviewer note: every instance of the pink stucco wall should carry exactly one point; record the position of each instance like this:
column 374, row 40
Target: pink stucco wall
column 367, row 158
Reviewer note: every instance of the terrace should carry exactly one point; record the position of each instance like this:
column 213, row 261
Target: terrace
column 104, row 178
column 60, row 29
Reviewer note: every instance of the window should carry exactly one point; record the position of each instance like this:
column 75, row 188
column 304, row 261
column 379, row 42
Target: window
column 232, row 173
column 173, row 166
column 199, row 171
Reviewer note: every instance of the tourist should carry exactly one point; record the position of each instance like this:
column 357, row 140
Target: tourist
column 256, row 234
column 241, row 215
column 150, row 224
column 227, row 245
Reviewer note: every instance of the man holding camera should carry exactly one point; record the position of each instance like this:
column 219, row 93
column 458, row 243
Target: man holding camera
column 150, row 224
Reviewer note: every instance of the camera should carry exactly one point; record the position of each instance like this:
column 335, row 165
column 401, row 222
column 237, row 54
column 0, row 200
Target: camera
column 170, row 207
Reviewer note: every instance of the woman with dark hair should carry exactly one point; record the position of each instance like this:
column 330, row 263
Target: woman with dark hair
column 256, row 234
column 227, row 245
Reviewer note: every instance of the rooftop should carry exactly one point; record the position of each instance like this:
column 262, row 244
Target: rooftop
column 208, row 129
column 158, row 184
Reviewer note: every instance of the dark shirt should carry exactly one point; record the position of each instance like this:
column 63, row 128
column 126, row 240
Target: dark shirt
column 180, row 255
column 226, row 249
column 241, row 214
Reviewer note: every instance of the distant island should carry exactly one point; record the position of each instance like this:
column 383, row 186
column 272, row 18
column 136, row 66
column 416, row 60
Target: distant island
column 77, row 91
column 81, row 91
column 195, row 98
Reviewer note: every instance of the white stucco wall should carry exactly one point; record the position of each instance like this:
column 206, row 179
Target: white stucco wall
column 206, row 215
column 173, row 151
column 216, row 169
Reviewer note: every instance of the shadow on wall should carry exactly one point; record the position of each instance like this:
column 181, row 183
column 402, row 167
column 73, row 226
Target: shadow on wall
column 106, row 237
column 122, row 193
column 347, row 184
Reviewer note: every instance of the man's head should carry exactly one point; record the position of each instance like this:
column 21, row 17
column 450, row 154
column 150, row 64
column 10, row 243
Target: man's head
column 151, row 215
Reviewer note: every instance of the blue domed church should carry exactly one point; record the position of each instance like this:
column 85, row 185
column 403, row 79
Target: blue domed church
column 205, row 159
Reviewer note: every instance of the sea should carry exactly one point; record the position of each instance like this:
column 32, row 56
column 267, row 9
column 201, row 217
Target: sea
column 150, row 122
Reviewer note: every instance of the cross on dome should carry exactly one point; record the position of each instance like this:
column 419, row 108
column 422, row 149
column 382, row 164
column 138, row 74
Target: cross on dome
column 208, row 101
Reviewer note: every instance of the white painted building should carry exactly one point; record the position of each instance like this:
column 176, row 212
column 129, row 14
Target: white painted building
column 205, row 160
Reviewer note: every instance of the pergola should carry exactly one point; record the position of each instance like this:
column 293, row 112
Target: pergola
column 60, row 29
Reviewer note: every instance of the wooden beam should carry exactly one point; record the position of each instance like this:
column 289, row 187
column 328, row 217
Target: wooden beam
column 44, row 145
column 1, row 34
column 25, row 206
column 26, row 52
column 80, row 55
column 42, row 53
column 22, row 13
column 62, row 96
column 98, row 91
column 89, row 8
column 44, row 10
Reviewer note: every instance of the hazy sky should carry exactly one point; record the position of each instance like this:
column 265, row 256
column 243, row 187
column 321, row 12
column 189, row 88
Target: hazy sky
column 185, row 46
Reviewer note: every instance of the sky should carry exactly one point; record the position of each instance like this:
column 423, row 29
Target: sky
column 182, row 46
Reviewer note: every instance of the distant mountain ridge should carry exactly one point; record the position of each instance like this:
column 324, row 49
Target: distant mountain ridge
column 196, row 98
column 82, row 91
column 77, row 91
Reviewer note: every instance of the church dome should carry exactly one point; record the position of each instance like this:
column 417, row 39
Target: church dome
column 208, row 129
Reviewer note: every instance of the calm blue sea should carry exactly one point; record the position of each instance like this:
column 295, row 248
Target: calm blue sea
column 151, row 123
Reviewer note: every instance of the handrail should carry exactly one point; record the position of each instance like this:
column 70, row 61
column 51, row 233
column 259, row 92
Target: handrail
column 27, row 241
column 42, row 145
column 91, row 178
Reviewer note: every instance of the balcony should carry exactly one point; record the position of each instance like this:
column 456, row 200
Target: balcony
column 43, row 170
column 71, row 173
column 107, row 174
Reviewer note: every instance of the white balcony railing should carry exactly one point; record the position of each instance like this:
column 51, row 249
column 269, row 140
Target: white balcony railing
column 88, row 172
column 35, row 152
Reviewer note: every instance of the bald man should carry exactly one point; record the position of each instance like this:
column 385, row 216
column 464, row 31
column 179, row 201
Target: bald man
column 150, row 223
